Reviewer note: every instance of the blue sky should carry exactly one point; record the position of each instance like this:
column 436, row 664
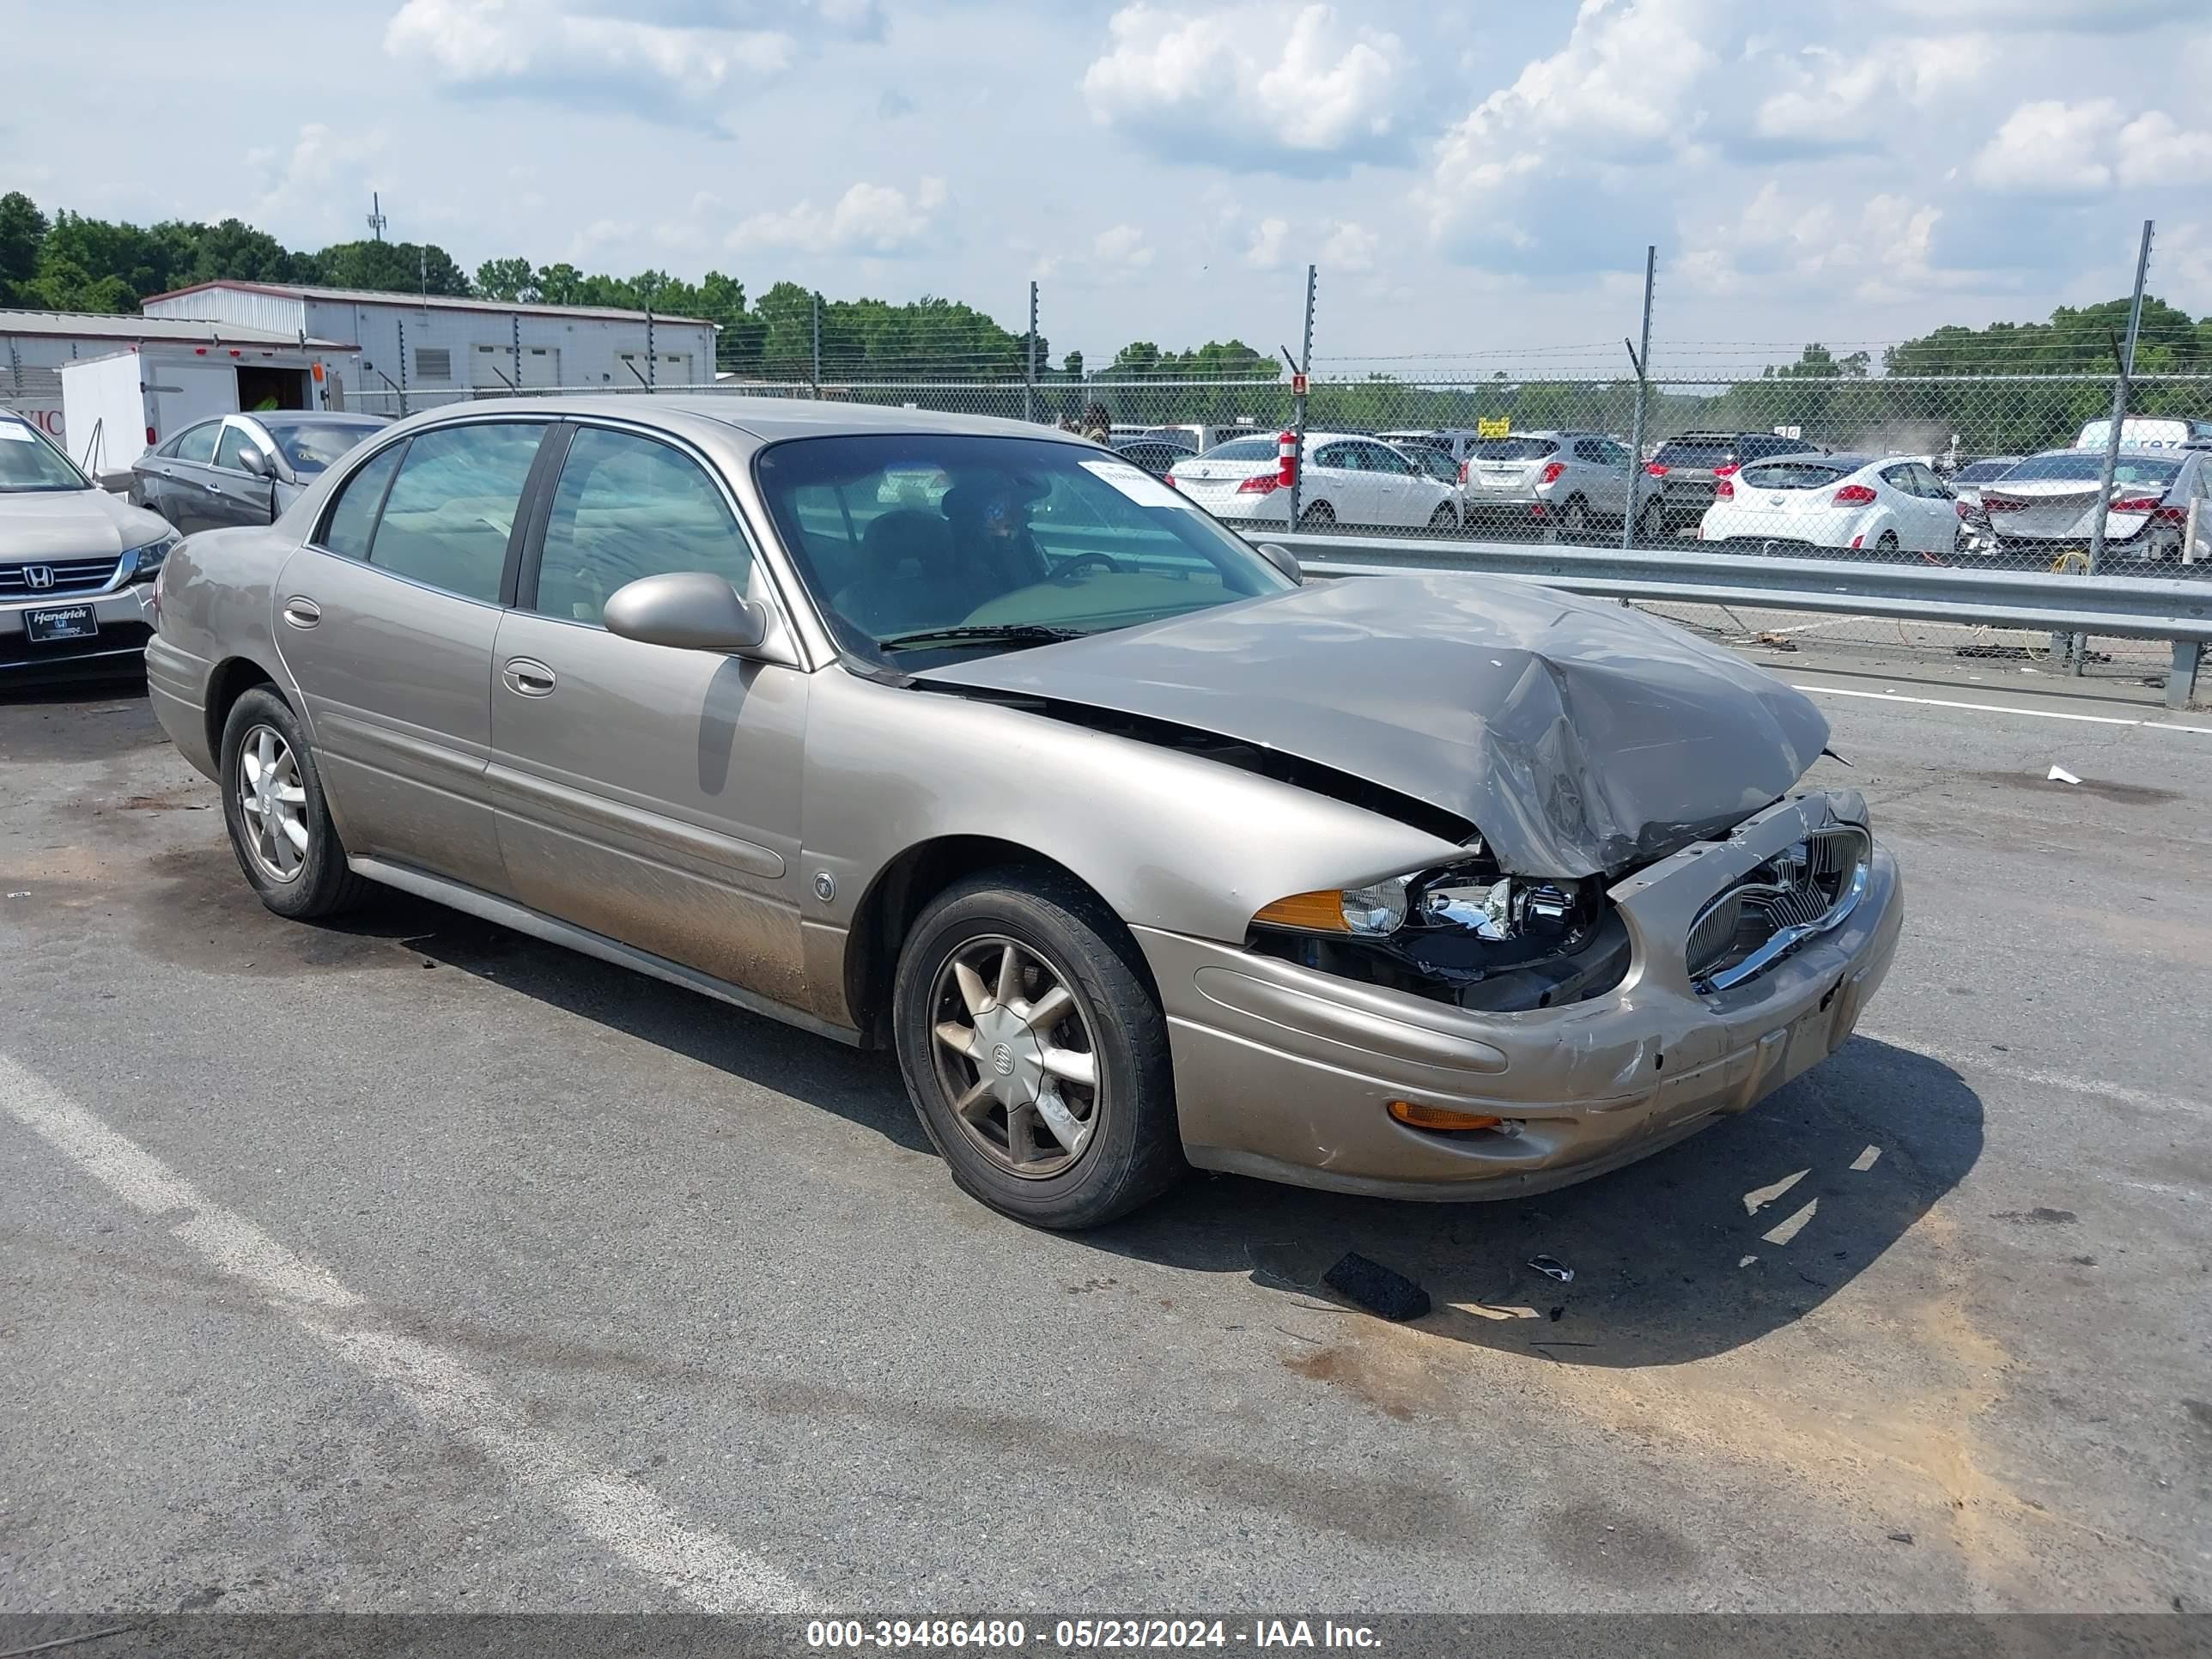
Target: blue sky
column 1470, row 177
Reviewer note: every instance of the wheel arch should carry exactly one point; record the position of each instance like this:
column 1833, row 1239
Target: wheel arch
column 231, row 679
column 902, row 888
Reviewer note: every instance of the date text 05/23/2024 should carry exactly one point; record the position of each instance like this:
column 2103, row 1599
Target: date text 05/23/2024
column 1087, row 1634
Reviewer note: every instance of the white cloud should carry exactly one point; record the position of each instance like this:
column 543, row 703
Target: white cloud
column 1121, row 247
column 1349, row 247
column 2051, row 148
column 2156, row 150
column 301, row 180
column 1627, row 87
column 2058, row 17
column 1265, row 252
column 1300, row 87
column 868, row 218
column 1845, row 97
column 553, row 47
column 1879, row 252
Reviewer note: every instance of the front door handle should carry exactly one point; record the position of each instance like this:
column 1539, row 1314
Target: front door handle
column 528, row 676
column 302, row 611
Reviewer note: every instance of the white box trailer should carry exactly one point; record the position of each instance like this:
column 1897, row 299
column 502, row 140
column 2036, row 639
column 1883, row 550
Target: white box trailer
column 117, row 407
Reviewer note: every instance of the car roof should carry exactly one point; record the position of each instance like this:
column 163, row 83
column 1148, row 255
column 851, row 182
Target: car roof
column 768, row 419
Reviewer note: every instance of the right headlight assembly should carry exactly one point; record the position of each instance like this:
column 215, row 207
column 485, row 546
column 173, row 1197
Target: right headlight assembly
column 1466, row 932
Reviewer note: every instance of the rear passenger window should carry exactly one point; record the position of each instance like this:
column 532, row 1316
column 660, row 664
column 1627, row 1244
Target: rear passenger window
column 198, row 444
column 446, row 521
column 353, row 519
column 626, row 507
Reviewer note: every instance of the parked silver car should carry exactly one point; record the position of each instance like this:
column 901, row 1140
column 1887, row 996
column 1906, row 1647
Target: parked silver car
column 76, row 564
column 1137, row 851
column 243, row 468
column 2047, row 505
column 1570, row 482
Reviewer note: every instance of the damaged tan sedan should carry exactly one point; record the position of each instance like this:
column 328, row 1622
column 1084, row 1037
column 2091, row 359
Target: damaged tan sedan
column 975, row 742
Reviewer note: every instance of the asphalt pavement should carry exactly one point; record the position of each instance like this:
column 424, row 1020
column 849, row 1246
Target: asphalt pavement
column 411, row 1265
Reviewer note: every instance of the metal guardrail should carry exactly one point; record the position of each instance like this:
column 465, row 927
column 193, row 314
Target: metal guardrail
column 2180, row 612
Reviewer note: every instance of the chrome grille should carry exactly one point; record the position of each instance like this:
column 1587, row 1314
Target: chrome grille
column 69, row 576
column 1800, row 892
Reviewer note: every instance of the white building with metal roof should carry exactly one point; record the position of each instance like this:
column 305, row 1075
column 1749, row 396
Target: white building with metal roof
column 299, row 370
column 422, row 350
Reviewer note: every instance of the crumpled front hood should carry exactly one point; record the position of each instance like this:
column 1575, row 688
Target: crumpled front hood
column 1580, row 736
column 38, row 525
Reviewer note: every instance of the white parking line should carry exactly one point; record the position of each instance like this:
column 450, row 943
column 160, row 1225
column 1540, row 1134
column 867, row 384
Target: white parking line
column 702, row 1567
column 1960, row 1061
column 2003, row 708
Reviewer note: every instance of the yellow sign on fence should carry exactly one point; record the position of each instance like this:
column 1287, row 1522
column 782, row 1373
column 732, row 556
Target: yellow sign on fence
column 1500, row 427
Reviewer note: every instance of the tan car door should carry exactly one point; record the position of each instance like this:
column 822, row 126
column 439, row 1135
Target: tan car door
column 387, row 620
column 648, row 794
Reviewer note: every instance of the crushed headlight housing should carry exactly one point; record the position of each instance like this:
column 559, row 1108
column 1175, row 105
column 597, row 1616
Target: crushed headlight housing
column 1466, row 932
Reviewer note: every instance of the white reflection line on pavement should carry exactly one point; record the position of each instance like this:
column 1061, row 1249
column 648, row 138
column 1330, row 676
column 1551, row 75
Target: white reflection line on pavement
column 1959, row 1061
column 701, row 1565
column 2003, row 708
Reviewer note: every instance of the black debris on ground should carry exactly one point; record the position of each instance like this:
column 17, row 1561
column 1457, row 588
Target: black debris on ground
column 1376, row 1288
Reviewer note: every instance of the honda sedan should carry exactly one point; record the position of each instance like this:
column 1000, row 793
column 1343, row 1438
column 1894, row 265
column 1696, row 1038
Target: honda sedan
column 1138, row 853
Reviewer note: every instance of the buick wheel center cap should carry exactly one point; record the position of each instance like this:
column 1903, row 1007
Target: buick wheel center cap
column 1002, row 1060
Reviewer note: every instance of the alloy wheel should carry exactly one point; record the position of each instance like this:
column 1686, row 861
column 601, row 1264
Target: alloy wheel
column 1013, row 1044
column 273, row 800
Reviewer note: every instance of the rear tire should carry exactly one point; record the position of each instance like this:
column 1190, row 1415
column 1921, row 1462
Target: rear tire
column 1886, row 542
column 989, row 1084
column 1574, row 517
column 1319, row 516
column 279, row 821
column 1651, row 523
column 1443, row 519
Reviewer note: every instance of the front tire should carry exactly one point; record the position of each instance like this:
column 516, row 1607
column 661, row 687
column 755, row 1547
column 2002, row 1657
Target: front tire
column 1033, row 1051
column 279, row 822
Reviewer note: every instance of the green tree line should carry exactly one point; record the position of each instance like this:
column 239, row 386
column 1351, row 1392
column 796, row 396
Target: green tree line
column 72, row 262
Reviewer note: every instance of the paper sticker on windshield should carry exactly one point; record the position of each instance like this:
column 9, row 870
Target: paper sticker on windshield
column 17, row 432
column 1139, row 485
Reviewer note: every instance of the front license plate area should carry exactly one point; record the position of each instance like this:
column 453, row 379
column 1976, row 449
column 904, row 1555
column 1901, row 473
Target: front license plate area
column 67, row 622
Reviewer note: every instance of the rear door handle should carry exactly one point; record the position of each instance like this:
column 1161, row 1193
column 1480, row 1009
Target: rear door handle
column 528, row 676
column 302, row 611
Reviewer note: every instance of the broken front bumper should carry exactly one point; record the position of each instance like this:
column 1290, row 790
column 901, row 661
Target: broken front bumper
column 1286, row 1074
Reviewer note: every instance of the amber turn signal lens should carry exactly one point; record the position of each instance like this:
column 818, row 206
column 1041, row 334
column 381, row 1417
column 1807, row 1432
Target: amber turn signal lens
column 1314, row 913
column 1414, row 1115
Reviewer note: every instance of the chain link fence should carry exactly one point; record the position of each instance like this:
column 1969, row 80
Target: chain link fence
column 1999, row 472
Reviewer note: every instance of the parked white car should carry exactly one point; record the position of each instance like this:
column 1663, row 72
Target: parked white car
column 1348, row 479
column 1803, row 501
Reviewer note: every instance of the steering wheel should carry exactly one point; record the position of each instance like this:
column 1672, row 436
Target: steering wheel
column 1067, row 571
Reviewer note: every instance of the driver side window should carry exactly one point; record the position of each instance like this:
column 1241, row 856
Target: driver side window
column 230, row 453
column 628, row 507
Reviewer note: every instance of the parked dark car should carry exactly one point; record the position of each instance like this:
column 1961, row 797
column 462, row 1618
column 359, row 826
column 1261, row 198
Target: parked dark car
column 1155, row 455
column 1689, row 469
column 242, row 469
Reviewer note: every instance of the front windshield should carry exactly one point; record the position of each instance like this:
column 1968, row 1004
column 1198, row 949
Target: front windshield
column 311, row 445
column 28, row 462
column 1029, row 540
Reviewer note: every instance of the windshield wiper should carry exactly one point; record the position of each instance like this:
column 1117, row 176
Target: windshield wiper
column 1002, row 633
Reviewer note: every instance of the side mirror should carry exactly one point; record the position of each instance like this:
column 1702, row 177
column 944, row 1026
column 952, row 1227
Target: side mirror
column 255, row 462
column 689, row 609
column 1284, row 560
